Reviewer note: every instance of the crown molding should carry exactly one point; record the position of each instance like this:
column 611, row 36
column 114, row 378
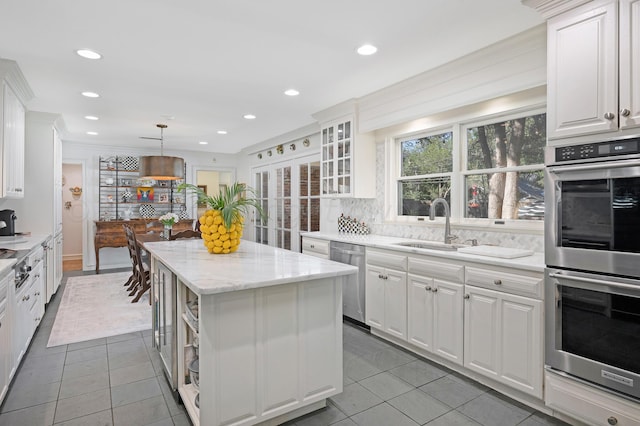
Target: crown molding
column 10, row 72
column 551, row 8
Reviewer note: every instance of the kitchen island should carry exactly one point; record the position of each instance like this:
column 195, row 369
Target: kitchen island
column 266, row 324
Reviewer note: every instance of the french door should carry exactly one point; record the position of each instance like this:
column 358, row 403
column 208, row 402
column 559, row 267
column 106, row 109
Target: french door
column 290, row 193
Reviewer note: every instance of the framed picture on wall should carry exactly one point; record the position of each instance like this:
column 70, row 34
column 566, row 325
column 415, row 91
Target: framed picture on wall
column 163, row 198
column 202, row 203
column 145, row 194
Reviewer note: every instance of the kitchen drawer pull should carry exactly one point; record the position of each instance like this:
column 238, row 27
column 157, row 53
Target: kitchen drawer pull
column 435, row 289
column 497, row 282
column 609, row 116
column 625, row 112
column 427, row 288
column 466, row 297
column 612, row 420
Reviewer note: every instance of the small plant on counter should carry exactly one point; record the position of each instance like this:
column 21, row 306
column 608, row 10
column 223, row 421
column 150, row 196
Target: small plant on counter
column 221, row 226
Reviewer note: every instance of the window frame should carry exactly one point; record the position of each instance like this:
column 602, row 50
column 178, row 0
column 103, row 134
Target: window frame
column 458, row 126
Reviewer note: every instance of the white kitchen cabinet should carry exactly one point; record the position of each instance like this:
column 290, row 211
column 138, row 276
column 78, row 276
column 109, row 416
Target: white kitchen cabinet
column 593, row 53
column 347, row 157
column 5, row 334
column 386, row 292
column 503, row 338
column 13, row 143
column 589, row 404
column 435, row 307
column 43, row 214
column 315, row 247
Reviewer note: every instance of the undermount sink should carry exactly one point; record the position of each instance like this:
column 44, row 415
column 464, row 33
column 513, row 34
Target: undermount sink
column 430, row 245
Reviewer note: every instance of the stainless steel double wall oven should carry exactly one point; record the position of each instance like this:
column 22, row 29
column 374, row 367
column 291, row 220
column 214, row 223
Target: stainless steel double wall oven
column 592, row 252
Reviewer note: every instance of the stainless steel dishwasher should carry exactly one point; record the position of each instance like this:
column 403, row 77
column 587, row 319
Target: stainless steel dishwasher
column 353, row 290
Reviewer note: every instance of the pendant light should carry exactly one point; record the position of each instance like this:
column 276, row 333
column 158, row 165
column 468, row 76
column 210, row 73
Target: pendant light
column 161, row 167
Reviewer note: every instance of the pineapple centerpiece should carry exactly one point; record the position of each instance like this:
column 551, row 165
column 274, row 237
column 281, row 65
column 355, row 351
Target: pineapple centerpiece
column 222, row 224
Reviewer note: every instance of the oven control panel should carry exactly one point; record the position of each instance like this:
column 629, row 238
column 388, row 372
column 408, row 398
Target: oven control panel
column 598, row 150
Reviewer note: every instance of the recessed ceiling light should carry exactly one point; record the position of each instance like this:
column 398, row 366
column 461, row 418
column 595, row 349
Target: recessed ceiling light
column 367, row 49
column 91, row 117
column 92, row 133
column 222, row 132
column 203, row 143
column 291, row 92
column 249, row 116
column 88, row 54
column 90, row 94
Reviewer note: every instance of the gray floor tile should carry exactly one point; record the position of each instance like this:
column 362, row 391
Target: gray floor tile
column 30, row 395
column 172, row 404
column 453, row 418
column 354, row 399
column 87, row 354
column 421, row 407
column 125, row 346
column 37, row 375
column 44, row 350
column 101, row 418
column 419, row 372
column 326, row 416
column 382, row 415
column 386, row 385
column 128, row 359
column 83, row 384
column 83, row 405
column 164, row 422
column 38, row 415
column 133, row 373
column 88, row 344
column 487, row 409
column 388, row 358
column 137, row 391
column 452, row 390
column 43, row 362
column 123, row 337
column 541, row 419
column 345, row 422
column 181, row 420
column 358, row 368
column 346, row 380
column 141, row 412
column 85, row 368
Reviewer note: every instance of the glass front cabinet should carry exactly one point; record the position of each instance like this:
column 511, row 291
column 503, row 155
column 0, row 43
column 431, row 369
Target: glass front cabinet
column 348, row 167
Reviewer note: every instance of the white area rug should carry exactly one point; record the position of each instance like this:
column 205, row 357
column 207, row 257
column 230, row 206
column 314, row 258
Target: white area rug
column 95, row 306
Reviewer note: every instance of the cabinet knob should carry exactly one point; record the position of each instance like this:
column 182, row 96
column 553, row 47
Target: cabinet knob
column 312, row 246
column 435, row 289
column 625, row 112
column 497, row 282
column 18, row 189
column 612, row 420
column 466, row 297
column 427, row 288
column 609, row 116
column 381, row 276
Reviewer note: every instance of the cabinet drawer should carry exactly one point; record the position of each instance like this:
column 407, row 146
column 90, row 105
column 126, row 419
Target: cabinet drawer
column 4, row 289
column 517, row 282
column 386, row 259
column 315, row 246
column 436, row 269
column 588, row 404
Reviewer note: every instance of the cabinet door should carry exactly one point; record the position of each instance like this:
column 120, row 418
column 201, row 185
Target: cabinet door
column 336, row 158
column 57, row 183
column 374, row 297
column 521, row 343
column 395, row 303
column 448, row 314
column 582, row 71
column 57, row 264
column 629, row 63
column 5, row 352
column 420, row 311
column 13, row 145
column 481, row 324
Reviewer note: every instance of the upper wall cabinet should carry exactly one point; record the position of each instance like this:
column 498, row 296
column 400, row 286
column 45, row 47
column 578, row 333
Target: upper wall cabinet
column 593, row 51
column 14, row 93
column 348, row 158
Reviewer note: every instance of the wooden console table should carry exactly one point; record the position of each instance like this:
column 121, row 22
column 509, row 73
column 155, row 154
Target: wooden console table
column 111, row 234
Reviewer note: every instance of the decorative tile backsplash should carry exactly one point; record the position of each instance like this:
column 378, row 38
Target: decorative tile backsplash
column 372, row 211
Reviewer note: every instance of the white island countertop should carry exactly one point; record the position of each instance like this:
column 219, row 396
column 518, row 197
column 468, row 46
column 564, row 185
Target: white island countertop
column 252, row 266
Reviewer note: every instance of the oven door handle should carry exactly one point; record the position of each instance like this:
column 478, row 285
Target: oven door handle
column 598, row 166
column 594, row 281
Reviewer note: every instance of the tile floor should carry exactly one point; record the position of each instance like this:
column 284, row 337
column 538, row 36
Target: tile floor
column 119, row 381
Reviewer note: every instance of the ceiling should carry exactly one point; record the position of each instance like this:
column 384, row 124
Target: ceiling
column 200, row 68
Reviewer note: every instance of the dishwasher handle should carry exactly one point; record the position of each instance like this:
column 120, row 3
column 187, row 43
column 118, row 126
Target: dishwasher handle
column 349, row 252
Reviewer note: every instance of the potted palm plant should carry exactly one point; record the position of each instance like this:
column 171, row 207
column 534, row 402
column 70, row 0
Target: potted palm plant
column 222, row 224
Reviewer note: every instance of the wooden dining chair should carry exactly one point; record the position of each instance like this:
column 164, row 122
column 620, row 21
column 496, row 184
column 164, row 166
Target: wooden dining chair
column 142, row 276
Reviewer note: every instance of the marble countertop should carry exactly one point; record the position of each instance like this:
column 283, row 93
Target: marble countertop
column 252, row 266
column 533, row 263
column 19, row 242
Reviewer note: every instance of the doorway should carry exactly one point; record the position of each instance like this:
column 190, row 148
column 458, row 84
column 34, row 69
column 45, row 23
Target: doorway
column 212, row 182
column 72, row 215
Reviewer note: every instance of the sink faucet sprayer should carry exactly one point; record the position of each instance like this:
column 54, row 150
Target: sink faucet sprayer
column 447, row 226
